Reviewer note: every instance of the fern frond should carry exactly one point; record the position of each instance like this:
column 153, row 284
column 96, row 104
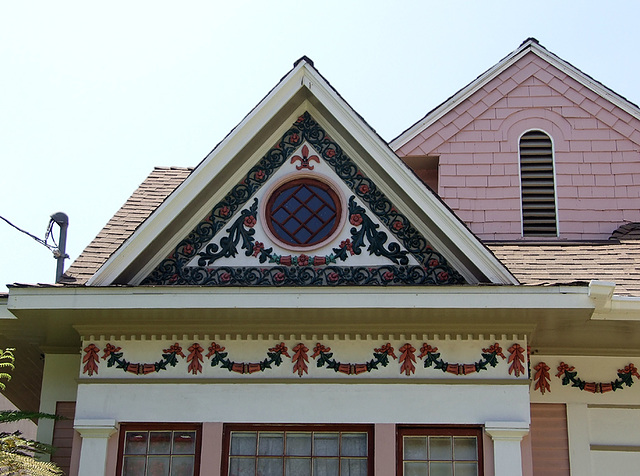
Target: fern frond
column 8, row 416
column 16, row 464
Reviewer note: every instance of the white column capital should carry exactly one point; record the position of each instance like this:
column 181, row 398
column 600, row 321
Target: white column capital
column 506, row 430
column 95, row 428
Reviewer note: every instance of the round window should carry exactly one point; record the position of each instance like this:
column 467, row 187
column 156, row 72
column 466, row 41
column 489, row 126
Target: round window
column 303, row 213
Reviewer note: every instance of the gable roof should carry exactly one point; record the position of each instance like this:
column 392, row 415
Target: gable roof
column 115, row 258
column 531, row 45
column 145, row 199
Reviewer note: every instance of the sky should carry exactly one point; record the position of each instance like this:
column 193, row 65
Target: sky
column 93, row 95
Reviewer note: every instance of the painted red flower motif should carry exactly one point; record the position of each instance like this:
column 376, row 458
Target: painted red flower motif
column 224, row 211
column 110, row 349
column 294, row 138
column 173, row 278
column 303, row 260
column 388, row 276
column 213, row 349
column 433, row 263
column 333, row 277
column 386, row 349
column 225, row 277
column 364, row 188
column 494, row 348
column 188, row 249
column 427, row 349
column 250, row 221
column 174, row 349
column 443, row 276
column 318, row 349
column 348, row 245
column 257, row 248
column 562, row 368
column 278, row 277
column 280, row 348
column 355, row 219
column 91, row 359
column 397, row 225
column 300, row 119
column 260, row 175
column 630, row 369
column 285, row 260
column 330, row 153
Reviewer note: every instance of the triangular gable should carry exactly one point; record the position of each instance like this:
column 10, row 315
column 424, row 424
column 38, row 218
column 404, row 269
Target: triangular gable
column 531, row 45
column 411, row 236
column 234, row 246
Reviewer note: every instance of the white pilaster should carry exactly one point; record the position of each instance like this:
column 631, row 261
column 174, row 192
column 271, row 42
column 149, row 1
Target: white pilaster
column 95, row 438
column 506, row 436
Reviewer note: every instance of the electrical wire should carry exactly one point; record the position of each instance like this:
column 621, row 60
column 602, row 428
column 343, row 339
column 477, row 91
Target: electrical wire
column 52, row 248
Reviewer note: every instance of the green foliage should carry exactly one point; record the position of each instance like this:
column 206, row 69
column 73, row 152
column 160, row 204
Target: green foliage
column 6, row 362
column 18, row 454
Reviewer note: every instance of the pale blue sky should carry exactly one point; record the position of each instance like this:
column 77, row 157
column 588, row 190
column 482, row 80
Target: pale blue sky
column 93, row 95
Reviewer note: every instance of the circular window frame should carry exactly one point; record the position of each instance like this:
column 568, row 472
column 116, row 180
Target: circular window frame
column 327, row 183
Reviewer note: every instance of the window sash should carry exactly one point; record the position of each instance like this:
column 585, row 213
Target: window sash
column 298, row 457
column 167, row 455
column 456, row 458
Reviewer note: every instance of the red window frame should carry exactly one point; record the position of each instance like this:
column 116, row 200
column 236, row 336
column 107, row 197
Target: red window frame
column 124, row 427
column 436, row 430
column 346, row 428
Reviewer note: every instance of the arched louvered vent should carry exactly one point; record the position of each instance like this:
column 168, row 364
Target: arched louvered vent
column 537, row 184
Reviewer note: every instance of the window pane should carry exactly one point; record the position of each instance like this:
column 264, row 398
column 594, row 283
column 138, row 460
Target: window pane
column 159, row 442
column 353, row 467
column 415, row 448
column 182, row 465
column 136, row 443
column 184, row 442
column 299, row 444
column 325, row 444
column 464, row 448
column 134, row 465
column 243, row 443
column 325, row 466
column 466, row 469
column 440, row 448
column 242, row 467
column 297, row 467
column 440, row 469
column 354, row 444
column 416, row 469
column 270, row 444
column 270, row 466
column 158, row 466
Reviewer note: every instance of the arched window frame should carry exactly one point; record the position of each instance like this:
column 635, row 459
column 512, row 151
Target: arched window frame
column 555, row 186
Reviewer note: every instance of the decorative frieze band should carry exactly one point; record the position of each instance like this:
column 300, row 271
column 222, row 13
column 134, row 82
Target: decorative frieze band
column 324, row 357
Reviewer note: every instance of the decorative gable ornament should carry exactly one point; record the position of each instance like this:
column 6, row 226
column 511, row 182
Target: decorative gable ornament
column 304, row 215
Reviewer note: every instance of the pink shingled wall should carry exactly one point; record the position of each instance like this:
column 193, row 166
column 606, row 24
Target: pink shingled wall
column 597, row 153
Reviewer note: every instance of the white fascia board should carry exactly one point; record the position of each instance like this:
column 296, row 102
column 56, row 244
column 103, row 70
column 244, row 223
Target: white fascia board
column 496, row 70
column 4, row 310
column 442, row 217
column 436, row 297
column 208, row 168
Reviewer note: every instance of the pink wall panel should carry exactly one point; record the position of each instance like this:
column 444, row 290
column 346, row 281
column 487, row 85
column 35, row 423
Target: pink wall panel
column 596, row 146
